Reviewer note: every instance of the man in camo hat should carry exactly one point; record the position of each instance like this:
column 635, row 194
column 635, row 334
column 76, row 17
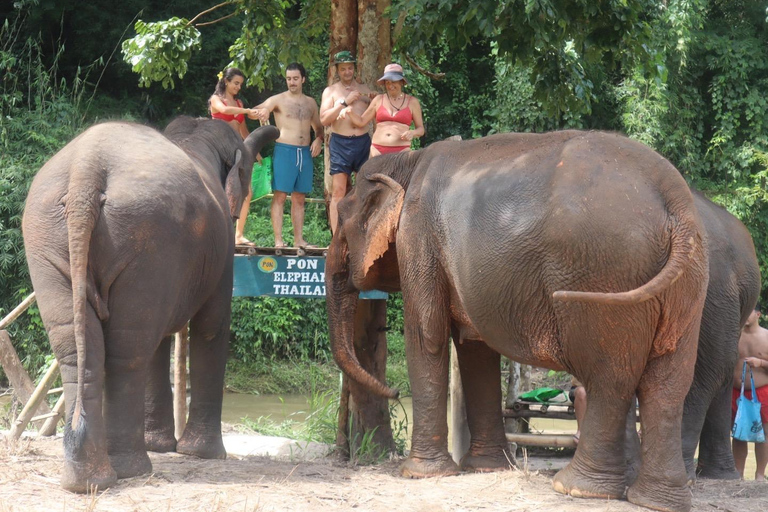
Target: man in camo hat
column 349, row 145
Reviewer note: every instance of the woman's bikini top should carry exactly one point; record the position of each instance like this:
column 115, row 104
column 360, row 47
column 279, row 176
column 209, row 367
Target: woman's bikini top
column 402, row 116
column 230, row 117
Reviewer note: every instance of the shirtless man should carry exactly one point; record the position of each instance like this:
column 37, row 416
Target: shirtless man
column 753, row 348
column 349, row 145
column 295, row 113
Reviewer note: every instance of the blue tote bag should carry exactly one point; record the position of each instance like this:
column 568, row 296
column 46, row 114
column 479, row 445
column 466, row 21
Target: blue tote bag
column 748, row 426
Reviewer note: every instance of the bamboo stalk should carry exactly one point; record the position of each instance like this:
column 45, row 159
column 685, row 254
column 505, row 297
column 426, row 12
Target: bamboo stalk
column 49, row 427
column 29, row 409
column 180, row 381
column 17, row 311
column 557, row 441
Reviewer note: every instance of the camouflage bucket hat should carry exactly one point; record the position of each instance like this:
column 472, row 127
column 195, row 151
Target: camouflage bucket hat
column 343, row 56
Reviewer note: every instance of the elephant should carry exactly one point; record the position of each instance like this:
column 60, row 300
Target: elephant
column 734, row 286
column 128, row 236
column 570, row 250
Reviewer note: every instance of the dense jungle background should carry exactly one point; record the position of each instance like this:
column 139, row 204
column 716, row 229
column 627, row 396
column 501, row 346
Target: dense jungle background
column 687, row 77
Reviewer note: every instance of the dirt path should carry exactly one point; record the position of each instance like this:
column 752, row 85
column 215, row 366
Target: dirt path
column 29, row 481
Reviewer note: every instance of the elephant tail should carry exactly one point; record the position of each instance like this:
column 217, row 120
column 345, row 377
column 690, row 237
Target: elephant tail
column 82, row 208
column 685, row 241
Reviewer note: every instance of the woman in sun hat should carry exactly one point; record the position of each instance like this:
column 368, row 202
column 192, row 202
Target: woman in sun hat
column 394, row 112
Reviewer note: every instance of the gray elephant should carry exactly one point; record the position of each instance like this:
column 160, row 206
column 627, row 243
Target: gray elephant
column 129, row 235
column 571, row 250
column 734, row 286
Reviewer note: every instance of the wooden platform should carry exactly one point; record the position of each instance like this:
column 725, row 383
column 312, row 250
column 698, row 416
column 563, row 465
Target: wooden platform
column 251, row 250
column 525, row 409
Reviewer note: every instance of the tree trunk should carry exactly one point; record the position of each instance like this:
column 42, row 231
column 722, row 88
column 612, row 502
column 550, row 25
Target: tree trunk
column 361, row 27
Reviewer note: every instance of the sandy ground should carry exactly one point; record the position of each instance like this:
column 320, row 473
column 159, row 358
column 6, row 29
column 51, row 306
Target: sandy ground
column 300, row 478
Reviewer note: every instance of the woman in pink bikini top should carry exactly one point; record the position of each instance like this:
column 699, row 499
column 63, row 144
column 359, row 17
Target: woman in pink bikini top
column 394, row 113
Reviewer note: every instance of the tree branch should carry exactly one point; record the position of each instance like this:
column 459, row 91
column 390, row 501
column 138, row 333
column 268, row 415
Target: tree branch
column 428, row 74
column 222, row 4
column 216, row 21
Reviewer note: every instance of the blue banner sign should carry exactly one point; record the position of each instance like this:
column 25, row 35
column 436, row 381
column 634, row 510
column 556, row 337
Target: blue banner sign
column 284, row 276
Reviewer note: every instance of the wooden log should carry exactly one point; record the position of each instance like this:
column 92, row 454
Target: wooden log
column 460, row 437
column 17, row 311
column 28, row 412
column 556, row 441
column 22, row 385
column 180, row 381
column 49, row 427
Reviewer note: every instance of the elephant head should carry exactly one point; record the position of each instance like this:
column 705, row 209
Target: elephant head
column 219, row 147
column 363, row 255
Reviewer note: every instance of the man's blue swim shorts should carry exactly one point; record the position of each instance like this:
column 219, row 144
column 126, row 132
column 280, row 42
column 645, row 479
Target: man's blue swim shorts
column 291, row 168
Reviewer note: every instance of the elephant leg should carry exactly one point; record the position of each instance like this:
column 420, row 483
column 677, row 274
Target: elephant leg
column 662, row 481
column 124, row 388
column 208, row 346
column 715, row 455
column 426, row 347
column 694, row 412
column 598, row 468
column 86, row 463
column 480, row 369
column 159, row 435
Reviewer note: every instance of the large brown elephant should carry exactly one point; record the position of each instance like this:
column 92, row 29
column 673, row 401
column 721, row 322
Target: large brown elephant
column 129, row 235
column 577, row 251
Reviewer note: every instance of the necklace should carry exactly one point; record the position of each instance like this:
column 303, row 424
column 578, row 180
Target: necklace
column 395, row 106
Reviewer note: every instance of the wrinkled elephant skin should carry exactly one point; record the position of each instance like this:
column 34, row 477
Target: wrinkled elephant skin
column 577, row 251
column 128, row 234
column 734, row 286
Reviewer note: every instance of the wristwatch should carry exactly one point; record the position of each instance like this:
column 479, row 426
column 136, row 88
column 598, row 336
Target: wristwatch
column 343, row 102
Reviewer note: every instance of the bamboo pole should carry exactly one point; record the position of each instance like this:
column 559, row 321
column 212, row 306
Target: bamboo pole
column 49, row 427
column 180, row 381
column 460, row 438
column 17, row 311
column 29, row 409
column 557, row 441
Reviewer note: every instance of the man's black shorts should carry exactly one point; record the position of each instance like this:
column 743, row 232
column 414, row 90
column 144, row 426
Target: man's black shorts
column 348, row 152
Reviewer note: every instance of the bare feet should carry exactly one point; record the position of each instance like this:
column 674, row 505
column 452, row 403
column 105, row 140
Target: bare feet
column 279, row 244
column 243, row 241
column 306, row 245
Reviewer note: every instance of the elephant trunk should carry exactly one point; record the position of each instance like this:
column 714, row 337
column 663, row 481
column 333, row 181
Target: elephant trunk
column 341, row 303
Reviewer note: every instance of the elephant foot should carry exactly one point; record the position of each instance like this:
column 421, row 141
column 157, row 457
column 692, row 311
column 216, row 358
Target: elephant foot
column 131, row 464
column 658, row 494
column 161, row 442
column 715, row 473
column 571, row 481
column 417, row 467
column 476, row 461
column 205, row 447
column 83, row 477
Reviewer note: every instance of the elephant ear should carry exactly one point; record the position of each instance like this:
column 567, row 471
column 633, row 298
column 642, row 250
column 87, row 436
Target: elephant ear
column 381, row 220
column 234, row 187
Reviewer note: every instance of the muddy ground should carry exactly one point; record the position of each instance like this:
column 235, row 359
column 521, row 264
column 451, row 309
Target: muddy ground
column 29, row 481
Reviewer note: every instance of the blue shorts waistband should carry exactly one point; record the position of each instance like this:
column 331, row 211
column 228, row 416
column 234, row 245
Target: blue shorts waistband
column 350, row 137
column 283, row 144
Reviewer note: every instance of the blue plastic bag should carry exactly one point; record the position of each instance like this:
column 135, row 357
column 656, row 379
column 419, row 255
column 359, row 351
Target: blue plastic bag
column 748, row 426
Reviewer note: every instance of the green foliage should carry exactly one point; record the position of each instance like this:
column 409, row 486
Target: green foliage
column 272, row 34
column 560, row 41
column 160, row 50
column 39, row 114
